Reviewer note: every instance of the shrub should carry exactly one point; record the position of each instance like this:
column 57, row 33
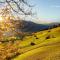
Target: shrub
column 48, row 37
column 37, row 38
column 32, row 43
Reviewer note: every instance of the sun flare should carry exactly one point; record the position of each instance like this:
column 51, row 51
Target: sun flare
column 1, row 18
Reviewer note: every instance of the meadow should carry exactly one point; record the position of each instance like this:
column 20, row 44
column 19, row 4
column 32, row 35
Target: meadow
column 39, row 45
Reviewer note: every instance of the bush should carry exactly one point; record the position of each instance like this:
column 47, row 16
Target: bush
column 32, row 43
column 48, row 37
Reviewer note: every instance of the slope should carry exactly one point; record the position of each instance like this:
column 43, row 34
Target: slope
column 46, row 46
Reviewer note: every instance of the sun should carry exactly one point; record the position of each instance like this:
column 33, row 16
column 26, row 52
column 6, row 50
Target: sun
column 1, row 18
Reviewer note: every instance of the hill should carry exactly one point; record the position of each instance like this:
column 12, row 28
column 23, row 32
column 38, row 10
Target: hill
column 44, row 45
column 14, row 48
column 29, row 26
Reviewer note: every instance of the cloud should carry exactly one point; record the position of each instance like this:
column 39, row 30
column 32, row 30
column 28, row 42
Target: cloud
column 46, row 20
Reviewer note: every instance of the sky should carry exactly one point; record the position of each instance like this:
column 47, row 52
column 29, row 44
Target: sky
column 48, row 10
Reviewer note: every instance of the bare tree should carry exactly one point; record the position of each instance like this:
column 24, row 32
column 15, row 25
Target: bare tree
column 18, row 6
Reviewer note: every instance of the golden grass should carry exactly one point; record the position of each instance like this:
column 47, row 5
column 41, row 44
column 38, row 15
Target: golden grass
column 43, row 46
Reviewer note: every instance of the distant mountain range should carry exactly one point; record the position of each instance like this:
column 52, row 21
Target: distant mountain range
column 29, row 26
column 34, row 27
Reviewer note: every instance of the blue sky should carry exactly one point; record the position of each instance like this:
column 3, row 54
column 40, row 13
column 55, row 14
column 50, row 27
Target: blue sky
column 47, row 9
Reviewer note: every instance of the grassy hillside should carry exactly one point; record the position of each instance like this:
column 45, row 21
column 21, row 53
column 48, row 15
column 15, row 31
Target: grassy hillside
column 44, row 45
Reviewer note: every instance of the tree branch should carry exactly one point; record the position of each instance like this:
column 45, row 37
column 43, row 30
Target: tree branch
column 18, row 6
